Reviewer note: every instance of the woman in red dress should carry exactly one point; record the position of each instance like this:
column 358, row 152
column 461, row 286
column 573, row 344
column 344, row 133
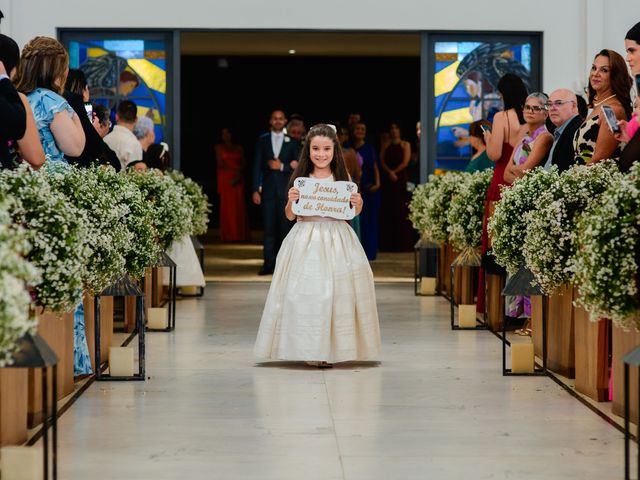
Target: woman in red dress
column 500, row 143
column 230, row 165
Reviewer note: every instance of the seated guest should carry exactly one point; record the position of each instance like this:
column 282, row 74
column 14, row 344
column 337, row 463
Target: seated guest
column 138, row 166
column 479, row 160
column 145, row 133
column 158, row 156
column 19, row 138
column 77, row 94
column 563, row 112
column 122, row 140
column 631, row 152
column 609, row 84
column 41, row 76
column 101, row 121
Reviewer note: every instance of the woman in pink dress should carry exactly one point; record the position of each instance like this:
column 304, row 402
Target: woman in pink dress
column 233, row 212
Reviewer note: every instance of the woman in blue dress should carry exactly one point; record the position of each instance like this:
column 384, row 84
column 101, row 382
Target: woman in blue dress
column 41, row 76
column 370, row 187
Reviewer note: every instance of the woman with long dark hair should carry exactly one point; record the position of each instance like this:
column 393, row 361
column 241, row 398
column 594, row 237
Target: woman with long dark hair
column 500, row 142
column 609, row 84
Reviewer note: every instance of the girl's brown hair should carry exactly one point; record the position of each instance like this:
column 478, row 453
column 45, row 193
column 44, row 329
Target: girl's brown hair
column 43, row 64
column 618, row 78
column 305, row 165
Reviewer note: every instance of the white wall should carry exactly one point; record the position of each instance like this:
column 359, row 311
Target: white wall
column 574, row 30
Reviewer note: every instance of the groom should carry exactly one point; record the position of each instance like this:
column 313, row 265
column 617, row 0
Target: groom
column 276, row 158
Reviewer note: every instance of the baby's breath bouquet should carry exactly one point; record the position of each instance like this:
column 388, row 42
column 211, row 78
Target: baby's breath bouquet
column 507, row 227
column 172, row 209
column 418, row 203
column 606, row 265
column 466, row 213
column 107, row 235
column 199, row 202
column 16, row 274
column 57, row 232
column 550, row 241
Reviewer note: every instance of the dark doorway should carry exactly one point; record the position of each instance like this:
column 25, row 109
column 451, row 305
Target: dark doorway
column 239, row 92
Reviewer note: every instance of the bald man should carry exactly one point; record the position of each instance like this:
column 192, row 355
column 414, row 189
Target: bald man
column 563, row 113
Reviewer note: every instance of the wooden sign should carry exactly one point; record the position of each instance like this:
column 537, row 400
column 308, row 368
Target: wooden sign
column 324, row 199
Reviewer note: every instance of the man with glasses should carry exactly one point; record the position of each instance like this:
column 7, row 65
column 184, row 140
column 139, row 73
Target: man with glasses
column 563, row 113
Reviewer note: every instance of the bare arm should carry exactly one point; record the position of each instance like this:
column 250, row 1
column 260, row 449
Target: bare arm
column 540, row 150
column 376, row 178
column 406, row 157
column 292, row 196
column 495, row 138
column 606, row 142
column 68, row 133
column 29, row 145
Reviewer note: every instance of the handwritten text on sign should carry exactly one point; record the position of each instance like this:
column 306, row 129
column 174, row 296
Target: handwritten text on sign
column 324, row 199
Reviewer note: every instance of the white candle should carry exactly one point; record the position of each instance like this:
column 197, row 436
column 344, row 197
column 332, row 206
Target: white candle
column 157, row 318
column 428, row 286
column 522, row 356
column 21, row 463
column 467, row 316
column 121, row 362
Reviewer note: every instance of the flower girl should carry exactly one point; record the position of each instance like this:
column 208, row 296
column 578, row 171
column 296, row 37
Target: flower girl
column 321, row 306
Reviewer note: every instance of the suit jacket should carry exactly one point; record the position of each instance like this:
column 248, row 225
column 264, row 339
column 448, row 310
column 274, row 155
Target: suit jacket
column 273, row 182
column 95, row 150
column 13, row 119
column 564, row 152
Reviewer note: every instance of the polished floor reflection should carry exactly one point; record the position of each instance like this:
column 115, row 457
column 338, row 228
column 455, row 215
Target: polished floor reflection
column 437, row 407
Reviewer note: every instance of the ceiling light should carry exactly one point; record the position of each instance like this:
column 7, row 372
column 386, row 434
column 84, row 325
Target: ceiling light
column 292, row 52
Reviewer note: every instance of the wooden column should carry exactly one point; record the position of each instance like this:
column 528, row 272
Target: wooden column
column 442, row 260
column 495, row 301
column 536, row 325
column 467, row 292
column 561, row 342
column 57, row 330
column 446, row 271
column 106, row 327
column 14, row 389
column 622, row 343
column 157, row 287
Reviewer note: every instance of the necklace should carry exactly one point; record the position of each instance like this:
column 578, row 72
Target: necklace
column 597, row 104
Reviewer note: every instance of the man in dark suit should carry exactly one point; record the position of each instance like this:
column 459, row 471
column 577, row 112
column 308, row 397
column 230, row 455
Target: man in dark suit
column 275, row 159
column 13, row 116
column 563, row 112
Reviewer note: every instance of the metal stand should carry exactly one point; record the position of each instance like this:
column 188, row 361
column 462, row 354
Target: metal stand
column 522, row 284
column 480, row 325
column 631, row 359
column 124, row 287
column 33, row 352
column 200, row 251
column 423, row 245
column 165, row 261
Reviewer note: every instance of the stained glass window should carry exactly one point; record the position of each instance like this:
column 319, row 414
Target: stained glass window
column 125, row 69
column 466, row 75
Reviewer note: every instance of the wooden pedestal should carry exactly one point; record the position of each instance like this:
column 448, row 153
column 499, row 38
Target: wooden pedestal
column 622, row 343
column 147, row 288
column 441, row 270
column 465, row 294
column 14, row 389
column 57, row 330
column 592, row 355
column 446, row 270
column 536, row 325
column 157, row 287
column 560, row 327
column 495, row 302
column 106, row 327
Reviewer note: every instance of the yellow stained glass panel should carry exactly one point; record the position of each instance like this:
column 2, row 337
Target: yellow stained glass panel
column 458, row 116
column 446, row 79
column 152, row 75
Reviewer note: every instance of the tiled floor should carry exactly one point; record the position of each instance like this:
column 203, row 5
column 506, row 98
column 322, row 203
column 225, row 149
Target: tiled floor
column 437, row 407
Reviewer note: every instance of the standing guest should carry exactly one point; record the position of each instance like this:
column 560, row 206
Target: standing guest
column 321, row 306
column 230, row 165
column 296, row 128
column 353, row 162
column 353, row 118
column 563, row 112
column 631, row 152
column 19, row 138
column 275, row 160
column 145, row 132
column 370, row 186
column 396, row 232
column 77, row 94
column 101, row 121
column 479, row 160
column 609, row 84
column 500, row 142
column 41, row 77
column 535, row 142
column 122, row 140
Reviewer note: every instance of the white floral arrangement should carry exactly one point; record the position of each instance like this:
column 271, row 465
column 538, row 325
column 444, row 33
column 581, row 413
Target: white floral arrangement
column 172, row 209
column 550, row 242
column 507, row 227
column 16, row 276
column 199, row 202
column 606, row 262
column 57, row 232
column 428, row 212
column 467, row 210
column 107, row 236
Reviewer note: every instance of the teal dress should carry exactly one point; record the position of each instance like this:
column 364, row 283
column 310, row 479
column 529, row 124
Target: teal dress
column 45, row 104
column 481, row 162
